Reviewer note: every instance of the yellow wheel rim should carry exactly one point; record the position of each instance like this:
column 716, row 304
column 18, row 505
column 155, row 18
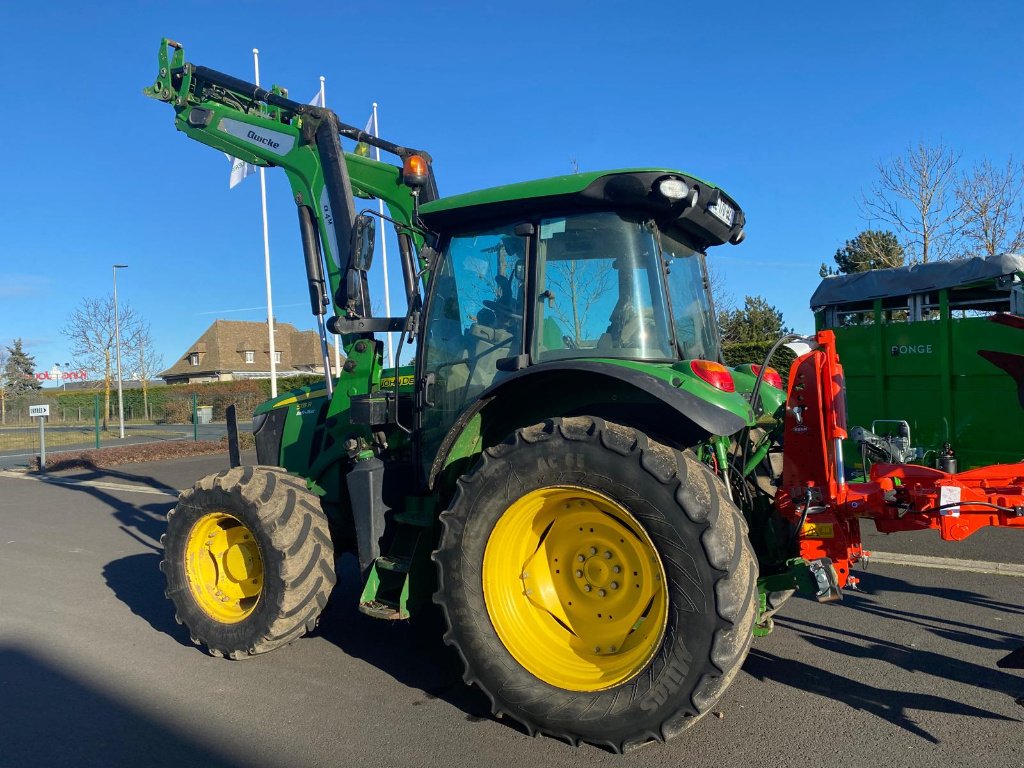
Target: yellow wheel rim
column 575, row 588
column 224, row 567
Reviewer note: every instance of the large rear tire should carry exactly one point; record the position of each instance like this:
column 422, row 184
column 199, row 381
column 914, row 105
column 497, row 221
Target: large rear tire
column 248, row 560
column 598, row 585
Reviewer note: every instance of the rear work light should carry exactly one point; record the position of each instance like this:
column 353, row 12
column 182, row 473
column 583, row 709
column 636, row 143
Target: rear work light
column 715, row 374
column 771, row 376
column 414, row 170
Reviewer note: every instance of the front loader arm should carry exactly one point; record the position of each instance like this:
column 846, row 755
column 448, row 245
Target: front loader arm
column 267, row 129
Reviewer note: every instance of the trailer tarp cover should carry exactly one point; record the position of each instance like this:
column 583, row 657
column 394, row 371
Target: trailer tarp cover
column 919, row 278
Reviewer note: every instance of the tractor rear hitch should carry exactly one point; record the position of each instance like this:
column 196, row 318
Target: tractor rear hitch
column 826, row 581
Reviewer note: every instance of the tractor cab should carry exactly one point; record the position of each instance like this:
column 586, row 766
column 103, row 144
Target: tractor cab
column 605, row 266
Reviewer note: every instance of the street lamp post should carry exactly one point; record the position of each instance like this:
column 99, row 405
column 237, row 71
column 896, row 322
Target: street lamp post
column 117, row 342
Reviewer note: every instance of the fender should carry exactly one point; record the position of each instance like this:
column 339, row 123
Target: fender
column 608, row 390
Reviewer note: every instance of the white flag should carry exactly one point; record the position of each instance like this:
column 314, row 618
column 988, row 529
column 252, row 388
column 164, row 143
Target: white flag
column 362, row 148
column 317, row 101
column 239, row 170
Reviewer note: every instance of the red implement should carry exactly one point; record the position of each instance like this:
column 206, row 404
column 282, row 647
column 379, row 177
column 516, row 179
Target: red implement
column 898, row 497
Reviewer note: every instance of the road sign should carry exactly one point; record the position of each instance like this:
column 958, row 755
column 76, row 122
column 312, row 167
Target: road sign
column 39, row 410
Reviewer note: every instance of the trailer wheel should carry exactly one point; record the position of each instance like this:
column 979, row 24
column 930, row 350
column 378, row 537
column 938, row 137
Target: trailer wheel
column 248, row 560
column 598, row 585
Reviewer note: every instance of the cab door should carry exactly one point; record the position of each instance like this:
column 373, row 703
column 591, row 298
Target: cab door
column 475, row 319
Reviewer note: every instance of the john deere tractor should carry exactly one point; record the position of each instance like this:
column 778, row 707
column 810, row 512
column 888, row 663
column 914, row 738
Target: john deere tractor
column 559, row 470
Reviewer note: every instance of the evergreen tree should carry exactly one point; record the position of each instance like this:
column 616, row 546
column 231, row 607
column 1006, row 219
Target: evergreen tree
column 757, row 320
column 20, row 371
column 871, row 249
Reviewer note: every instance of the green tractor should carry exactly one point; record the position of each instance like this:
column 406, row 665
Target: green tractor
column 549, row 471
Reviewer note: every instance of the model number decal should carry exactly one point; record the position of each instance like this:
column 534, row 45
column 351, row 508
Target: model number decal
column 332, row 236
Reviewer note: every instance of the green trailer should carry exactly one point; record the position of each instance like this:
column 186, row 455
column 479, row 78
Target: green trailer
column 939, row 346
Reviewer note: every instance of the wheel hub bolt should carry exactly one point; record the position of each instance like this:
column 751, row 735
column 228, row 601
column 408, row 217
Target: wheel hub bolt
column 587, row 587
column 601, row 592
column 579, row 574
column 607, row 555
column 581, row 558
column 593, row 550
column 614, row 585
column 616, row 568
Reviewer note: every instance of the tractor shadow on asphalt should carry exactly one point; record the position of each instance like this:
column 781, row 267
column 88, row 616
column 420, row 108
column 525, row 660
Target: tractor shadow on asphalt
column 412, row 652
column 892, row 704
column 136, row 580
column 56, row 719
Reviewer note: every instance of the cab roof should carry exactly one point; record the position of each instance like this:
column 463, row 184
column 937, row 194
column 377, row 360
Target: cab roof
column 623, row 189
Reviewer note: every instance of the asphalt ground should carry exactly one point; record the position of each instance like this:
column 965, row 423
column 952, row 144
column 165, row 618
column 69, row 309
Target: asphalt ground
column 95, row 672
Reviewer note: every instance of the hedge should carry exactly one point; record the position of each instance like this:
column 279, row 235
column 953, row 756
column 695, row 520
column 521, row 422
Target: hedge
column 173, row 403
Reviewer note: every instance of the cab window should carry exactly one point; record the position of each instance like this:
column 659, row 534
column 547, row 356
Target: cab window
column 599, row 290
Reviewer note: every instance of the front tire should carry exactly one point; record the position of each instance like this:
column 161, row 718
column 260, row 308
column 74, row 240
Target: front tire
column 248, row 560
column 598, row 585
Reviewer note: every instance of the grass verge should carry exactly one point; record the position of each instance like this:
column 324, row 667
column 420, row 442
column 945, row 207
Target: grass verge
column 132, row 454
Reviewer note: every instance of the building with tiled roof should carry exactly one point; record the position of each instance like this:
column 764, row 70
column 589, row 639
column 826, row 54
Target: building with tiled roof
column 240, row 349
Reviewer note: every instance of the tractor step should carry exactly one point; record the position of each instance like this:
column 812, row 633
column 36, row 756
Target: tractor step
column 383, row 609
column 391, row 591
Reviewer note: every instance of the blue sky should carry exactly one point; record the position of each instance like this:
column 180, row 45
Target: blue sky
column 789, row 107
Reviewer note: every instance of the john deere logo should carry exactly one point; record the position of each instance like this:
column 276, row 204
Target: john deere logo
column 911, row 349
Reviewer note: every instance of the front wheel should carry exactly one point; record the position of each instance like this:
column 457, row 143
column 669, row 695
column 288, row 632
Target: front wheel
column 248, row 560
column 598, row 585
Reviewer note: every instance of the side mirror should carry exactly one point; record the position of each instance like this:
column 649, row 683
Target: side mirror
column 363, row 236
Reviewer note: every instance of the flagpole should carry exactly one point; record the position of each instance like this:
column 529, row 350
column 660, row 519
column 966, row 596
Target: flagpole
column 337, row 345
column 266, row 253
column 384, row 249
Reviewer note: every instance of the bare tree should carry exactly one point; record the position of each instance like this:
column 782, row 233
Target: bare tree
column 915, row 195
column 722, row 299
column 578, row 285
column 90, row 328
column 145, row 363
column 990, row 201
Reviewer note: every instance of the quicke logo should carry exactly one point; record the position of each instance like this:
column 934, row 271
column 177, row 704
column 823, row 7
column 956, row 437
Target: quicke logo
column 265, row 140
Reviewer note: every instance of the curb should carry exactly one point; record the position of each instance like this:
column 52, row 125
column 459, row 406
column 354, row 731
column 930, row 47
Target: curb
column 947, row 563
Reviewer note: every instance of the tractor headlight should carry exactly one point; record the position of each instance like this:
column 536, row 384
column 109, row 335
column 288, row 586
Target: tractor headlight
column 673, row 189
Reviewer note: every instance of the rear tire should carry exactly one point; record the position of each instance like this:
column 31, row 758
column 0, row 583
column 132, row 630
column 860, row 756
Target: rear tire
column 248, row 560
column 532, row 635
